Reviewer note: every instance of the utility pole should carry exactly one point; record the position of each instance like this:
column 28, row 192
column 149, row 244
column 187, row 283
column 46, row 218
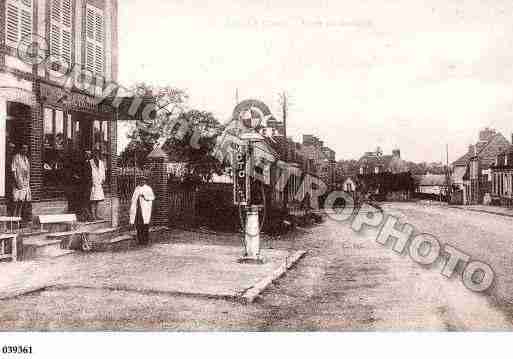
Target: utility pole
column 447, row 179
column 284, row 108
column 284, row 113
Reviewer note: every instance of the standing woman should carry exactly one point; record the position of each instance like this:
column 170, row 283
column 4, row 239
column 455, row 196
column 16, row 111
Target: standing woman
column 140, row 210
column 21, row 187
column 97, row 177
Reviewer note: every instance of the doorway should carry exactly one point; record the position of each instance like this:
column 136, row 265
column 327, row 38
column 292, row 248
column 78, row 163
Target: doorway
column 16, row 134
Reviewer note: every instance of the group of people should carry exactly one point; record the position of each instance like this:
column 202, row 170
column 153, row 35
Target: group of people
column 84, row 189
column 83, row 183
column 85, row 180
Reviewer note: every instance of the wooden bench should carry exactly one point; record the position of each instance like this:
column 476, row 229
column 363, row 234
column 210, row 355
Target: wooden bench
column 70, row 219
column 11, row 221
column 8, row 241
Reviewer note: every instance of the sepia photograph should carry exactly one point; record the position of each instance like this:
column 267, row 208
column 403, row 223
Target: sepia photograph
column 252, row 166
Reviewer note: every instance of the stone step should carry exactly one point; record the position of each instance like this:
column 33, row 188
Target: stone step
column 103, row 234
column 121, row 242
column 34, row 248
column 93, row 226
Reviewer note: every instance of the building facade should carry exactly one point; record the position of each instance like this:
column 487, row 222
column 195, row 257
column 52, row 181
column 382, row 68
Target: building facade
column 469, row 187
column 502, row 178
column 41, row 107
column 375, row 162
column 320, row 159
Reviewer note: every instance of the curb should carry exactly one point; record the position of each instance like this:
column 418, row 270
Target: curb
column 483, row 211
column 252, row 293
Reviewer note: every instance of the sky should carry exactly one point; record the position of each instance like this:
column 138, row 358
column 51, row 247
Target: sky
column 408, row 74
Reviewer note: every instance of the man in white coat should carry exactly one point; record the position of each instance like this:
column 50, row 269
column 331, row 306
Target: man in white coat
column 140, row 210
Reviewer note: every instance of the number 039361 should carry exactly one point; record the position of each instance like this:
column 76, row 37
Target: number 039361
column 17, row 349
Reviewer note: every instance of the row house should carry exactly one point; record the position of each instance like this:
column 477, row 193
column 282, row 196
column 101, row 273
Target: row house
column 38, row 109
column 502, row 178
column 320, row 159
column 471, row 177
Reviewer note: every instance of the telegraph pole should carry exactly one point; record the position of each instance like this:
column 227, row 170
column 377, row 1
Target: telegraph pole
column 284, row 108
column 284, row 113
column 447, row 179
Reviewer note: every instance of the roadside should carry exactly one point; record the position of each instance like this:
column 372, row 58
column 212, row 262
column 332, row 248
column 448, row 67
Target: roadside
column 500, row 211
column 204, row 265
column 347, row 281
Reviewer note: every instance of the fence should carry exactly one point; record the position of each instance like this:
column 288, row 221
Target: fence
column 182, row 205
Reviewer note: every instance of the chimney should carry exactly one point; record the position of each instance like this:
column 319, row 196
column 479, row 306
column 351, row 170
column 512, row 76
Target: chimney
column 472, row 150
column 396, row 153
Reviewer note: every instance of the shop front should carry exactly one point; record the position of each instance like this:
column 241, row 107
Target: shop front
column 58, row 126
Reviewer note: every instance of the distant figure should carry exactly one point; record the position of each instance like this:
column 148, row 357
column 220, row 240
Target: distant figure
column 140, row 210
column 21, row 187
column 97, row 179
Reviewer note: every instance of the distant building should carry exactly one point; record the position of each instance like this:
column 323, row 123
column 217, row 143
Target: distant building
column 273, row 128
column 502, row 178
column 375, row 162
column 431, row 184
column 471, row 177
column 320, row 158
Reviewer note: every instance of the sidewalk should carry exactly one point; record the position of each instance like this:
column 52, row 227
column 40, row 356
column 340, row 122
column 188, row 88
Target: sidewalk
column 171, row 268
column 500, row 211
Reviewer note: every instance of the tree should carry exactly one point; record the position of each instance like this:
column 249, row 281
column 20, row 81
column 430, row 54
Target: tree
column 187, row 136
column 168, row 102
column 195, row 145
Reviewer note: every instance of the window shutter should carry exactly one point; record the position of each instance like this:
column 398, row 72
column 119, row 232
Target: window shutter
column 26, row 23
column 90, row 24
column 18, row 24
column 99, row 28
column 55, row 40
column 95, row 35
column 66, row 13
column 99, row 60
column 56, row 10
column 66, row 45
column 90, row 56
column 12, row 23
column 61, row 29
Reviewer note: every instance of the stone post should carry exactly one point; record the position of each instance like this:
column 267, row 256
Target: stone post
column 156, row 162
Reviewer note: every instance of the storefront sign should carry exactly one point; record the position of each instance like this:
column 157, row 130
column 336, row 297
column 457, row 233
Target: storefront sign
column 77, row 101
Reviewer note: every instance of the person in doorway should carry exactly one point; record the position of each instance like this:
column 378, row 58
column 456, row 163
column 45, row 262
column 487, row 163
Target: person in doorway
column 140, row 210
column 9, row 179
column 97, row 179
column 84, row 173
column 21, row 183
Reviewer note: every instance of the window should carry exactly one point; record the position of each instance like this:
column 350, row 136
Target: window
column 18, row 24
column 95, row 35
column 61, row 29
column 54, row 147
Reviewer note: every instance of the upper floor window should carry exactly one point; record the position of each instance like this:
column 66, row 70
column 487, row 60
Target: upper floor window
column 61, row 29
column 19, row 17
column 95, row 36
